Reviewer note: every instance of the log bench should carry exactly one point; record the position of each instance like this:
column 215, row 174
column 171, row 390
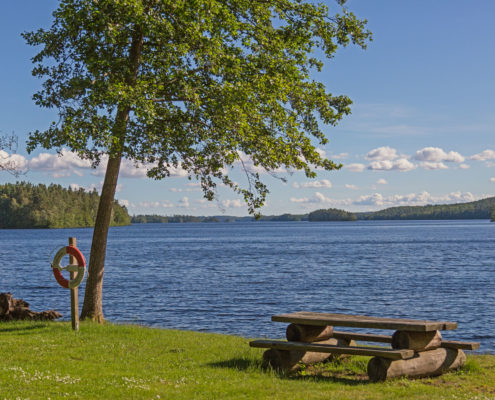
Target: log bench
column 416, row 347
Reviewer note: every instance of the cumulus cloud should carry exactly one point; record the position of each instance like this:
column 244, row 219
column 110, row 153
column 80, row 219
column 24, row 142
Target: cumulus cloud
column 484, row 155
column 464, row 166
column 67, row 163
column 381, row 181
column 232, row 203
column 323, row 184
column 340, row 156
column 385, row 153
column 414, row 199
column 492, row 179
column 433, row 165
column 183, row 203
column 437, row 155
column 124, row 202
column 59, row 165
column 130, row 169
column 320, row 200
column 12, row 162
column 247, row 162
column 356, row 167
column 349, row 186
column 402, row 165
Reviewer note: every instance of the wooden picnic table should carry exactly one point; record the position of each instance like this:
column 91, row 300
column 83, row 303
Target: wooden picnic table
column 417, row 348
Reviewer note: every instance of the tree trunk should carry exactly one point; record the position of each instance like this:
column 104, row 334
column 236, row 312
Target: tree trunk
column 93, row 306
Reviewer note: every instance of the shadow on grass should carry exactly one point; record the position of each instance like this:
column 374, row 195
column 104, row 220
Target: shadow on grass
column 239, row 364
column 245, row 364
column 23, row 330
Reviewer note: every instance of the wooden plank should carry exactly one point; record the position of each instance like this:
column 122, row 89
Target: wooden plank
column 369, row 337
column 363, row 321
column 455, row 344
column 364, row 337
column 327, row 348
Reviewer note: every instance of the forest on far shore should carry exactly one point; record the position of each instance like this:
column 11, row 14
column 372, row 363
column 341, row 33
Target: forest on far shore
column 24, row 205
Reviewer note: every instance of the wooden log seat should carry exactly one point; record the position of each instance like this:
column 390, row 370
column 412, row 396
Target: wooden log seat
column 423, row 364
column 369, row 337
column 394, row 354
column 294, row 358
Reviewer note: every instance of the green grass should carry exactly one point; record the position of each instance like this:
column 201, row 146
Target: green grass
column 48, row 360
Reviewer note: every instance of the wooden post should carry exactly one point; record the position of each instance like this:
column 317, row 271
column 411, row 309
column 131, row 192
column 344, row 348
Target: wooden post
column 74, row 292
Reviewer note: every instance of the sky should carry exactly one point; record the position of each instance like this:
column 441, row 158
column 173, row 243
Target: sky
column 422, row 128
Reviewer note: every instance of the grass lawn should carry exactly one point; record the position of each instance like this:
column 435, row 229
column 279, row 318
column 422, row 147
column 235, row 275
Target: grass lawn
column 46, row 360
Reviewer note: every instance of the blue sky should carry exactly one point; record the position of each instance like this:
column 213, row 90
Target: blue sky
column 422, row 128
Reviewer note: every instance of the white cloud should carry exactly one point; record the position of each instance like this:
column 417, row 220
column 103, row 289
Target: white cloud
column 349, row 186
column 124, row 202
column 433, row 165
column 12, row 162
column 130, row 169
column 385, row 153
column 232, row 203
column 340, row 156
column 492, row 179
column 464, row 166
column 414, row 199
column 320, row 200
column 59, row 165
column 321, row 152
column 247, row 162
column 149, row 204
column 184, row 203
column 402, row 165
column 323, row 184
column 484, row 155
column 356, row 167
column 175, row 190
column 381, row 181
column 436, row 154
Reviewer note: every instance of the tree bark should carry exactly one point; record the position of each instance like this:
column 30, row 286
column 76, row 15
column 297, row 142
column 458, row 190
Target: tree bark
column 93, row 305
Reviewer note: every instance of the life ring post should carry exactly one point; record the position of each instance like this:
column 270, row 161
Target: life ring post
column 74, row 292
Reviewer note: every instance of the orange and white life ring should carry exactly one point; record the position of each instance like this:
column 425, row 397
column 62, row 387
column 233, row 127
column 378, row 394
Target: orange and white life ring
column 79, row 268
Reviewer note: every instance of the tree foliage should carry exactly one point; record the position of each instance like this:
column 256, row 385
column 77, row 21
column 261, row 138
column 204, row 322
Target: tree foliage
column 24, row 205
column 212, row 80
column 331, row 214
column 480, row 209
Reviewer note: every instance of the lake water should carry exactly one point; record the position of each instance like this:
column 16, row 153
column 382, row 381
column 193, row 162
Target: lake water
column 231, row 277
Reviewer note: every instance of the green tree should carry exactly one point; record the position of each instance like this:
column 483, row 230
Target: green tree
column 191, row 84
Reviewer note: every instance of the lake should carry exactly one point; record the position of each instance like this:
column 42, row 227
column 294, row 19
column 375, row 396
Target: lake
column 231, row 277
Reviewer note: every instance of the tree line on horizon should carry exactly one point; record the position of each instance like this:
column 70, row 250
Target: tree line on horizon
column 24, row 205
column 481, row 209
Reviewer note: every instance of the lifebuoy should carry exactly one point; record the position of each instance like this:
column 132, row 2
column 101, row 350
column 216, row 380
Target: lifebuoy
column 79, row 268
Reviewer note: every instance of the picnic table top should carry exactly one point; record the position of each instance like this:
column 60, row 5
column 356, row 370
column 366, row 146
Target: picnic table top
column 363, row 321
